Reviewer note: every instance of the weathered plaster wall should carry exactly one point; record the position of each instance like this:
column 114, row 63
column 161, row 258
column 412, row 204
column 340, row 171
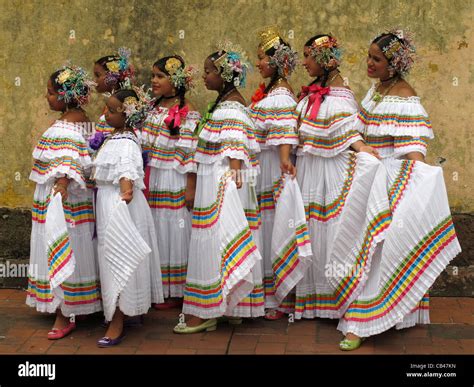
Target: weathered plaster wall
column 38, row 36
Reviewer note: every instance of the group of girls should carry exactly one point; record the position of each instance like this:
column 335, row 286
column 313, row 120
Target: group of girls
column 306, row 204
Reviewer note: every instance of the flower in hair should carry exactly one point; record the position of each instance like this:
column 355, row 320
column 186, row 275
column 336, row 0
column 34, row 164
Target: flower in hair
column 75, row 84
column 120, row 71
column 284, row 59
column 136, row 109
column 231, row 60
column 326, row 51
column 400, row 51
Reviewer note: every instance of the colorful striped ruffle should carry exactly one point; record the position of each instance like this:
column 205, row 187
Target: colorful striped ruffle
column 101, row 126
column 334, row 302
column 233, row 255
column 405, row 276
column 171, row 200
column 62, row 144
column 319, row 144
column 43, row 170
column 74, row 293
column 206, row 217
column 254, row 218
column 323, row 124
column 173, row 275
column 288, row 259
column 75, row 213
column 255, row 300
column 400, row 183
column 326, row 212
column 59, row 254
column 374, row 119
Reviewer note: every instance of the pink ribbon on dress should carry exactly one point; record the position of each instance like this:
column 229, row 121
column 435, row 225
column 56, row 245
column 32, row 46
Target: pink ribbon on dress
column 315, row 93
column 176, row 114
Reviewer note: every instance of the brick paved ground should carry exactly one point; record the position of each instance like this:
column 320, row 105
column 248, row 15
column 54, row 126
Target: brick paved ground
column 23, row 331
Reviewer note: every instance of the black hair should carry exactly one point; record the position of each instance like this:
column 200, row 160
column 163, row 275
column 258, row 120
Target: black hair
column 57, row 87
column 383, row 42
column 121, row 95
column 106, row 59
column 276, row 76
column 228, row 86
column 180, row 92
column 325, row 76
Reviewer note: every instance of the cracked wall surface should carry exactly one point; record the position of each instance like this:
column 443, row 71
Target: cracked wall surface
column 38, row 36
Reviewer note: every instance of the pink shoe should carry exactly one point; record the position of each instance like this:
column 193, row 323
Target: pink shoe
column 56, row 333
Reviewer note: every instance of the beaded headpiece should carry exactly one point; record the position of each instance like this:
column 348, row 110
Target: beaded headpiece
column 136, row 109
column 326, row 51
column 269, row 37
column 400, row 51
column 231, row 58
column 119, row 70
column 284, row 59
column 74, row 84
column 180, row 75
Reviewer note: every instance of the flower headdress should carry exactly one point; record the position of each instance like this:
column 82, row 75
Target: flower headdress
column 119, row 70
column 136, row 109
column 180, row 75
column 74, row 84
column 284, row 59
column 326, row 51
column 232, row 59
column 400, row 52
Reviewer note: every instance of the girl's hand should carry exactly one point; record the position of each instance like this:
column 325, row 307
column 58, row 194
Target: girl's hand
column 127, row 196
column 62, row 189
column 189, row 198
column 235, row 166
column 368, row 149
column 238, row 181
column 287, row 166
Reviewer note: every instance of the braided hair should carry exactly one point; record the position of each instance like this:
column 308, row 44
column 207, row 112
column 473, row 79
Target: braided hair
column 180, row 92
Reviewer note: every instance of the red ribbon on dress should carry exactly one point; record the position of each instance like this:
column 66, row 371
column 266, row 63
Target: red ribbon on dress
column 259, row 94
column 315, row 93
column 176, row 114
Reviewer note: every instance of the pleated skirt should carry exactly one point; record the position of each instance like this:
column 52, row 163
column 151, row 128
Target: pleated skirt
column 82, row 288
column 145, row 284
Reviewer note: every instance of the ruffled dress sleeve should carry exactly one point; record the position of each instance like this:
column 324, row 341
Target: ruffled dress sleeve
column 102, row 126
column 396, row 126
column 119, row 157
column 332, row 131
column 168, row 151
column 62, row 152
column 275, row 122
column 229, row 132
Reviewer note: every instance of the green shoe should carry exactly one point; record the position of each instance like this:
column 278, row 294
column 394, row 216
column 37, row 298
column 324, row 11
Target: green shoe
column 350, row 345
column 208, row 326
column 230, row 320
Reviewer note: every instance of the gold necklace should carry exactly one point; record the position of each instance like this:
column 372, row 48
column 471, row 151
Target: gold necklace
column 377, row 97
column 332, row 78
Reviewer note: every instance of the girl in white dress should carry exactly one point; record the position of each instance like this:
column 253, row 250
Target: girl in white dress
column 272, row 110
column 128, row 289
column 421, row 240
column 342, row 185
column 169, row 142
column 62, row 165
column 222, row 253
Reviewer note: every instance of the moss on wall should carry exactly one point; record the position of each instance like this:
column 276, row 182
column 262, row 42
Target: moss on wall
column 38, row 36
